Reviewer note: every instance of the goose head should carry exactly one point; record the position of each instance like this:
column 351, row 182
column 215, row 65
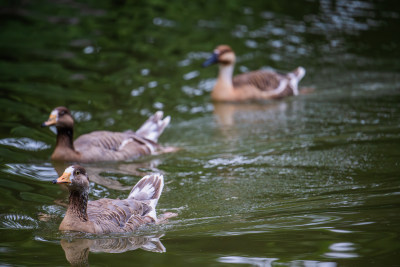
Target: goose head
column 60, row 117
column 75, row 177
column 223, row 55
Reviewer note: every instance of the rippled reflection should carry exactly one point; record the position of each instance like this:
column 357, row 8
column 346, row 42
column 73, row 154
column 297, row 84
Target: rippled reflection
column 268, row 262
column 42, row 172
column 77, row 250
column 254, row 261
column 24, row 143
column 17, row 222
column 230, row 114
column 342, row 250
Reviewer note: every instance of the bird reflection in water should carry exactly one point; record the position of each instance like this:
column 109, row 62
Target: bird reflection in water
column 226, row 113
column 77, row 250
column 237, row 120
column 231, row 113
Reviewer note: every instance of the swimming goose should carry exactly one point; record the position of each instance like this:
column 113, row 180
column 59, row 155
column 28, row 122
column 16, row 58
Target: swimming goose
column 256, row 85
column 110, row 215
column 104, row 145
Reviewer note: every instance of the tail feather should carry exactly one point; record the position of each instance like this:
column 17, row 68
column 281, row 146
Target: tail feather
column 149, row 189
column 299, row 72
column 154, row 126
column 294, row 78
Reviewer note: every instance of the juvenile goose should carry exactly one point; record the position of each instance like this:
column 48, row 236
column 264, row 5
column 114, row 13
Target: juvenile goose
column 256, row 85
column 104, row 145
column 110, row 215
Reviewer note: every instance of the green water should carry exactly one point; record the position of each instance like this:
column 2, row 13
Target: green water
column 311, row 180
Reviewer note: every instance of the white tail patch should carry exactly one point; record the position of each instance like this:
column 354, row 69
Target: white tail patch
column 154, row 126
column 149, row 189
column 300, row 72
column 153, row 213
column 295, row 77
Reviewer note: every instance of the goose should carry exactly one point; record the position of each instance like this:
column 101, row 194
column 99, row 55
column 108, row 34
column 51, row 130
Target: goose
column 105, row 145
column 250, row 86
column 110, row 215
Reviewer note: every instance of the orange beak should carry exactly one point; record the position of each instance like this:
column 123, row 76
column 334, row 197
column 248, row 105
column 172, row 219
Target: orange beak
column 63, row 179
column 51, row 121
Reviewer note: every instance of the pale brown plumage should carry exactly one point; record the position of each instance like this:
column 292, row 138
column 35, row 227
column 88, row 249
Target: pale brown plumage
column 256, row 85
column 110, row 215
column 104, row 145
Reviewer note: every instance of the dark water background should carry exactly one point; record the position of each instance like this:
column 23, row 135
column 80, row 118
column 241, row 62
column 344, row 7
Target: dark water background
column 311, row 180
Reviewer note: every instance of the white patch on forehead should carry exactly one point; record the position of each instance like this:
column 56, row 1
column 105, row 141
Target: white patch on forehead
column 53, row 114
column 70, row 169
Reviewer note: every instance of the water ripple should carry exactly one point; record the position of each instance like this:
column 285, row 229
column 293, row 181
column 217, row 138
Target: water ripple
column 17, row 221
column 24, row 143
column 191, row 75
column 37, row 172
column 164, row 22
column 237, row 160
column 254, row 261
column 267, row 262
column 342, row 250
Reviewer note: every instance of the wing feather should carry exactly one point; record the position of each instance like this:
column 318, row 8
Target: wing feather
column 106, row 145
column 264, row 80
column 113, row 215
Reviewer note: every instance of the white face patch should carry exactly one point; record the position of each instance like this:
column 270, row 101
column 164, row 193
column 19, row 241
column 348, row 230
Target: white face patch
column 53, row 114
column 70, row 170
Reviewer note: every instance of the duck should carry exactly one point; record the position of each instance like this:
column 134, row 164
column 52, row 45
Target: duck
column 106, row 215
column 250, row 86
column 105, row 145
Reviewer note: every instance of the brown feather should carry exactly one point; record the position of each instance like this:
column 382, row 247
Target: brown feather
column 106, row 146
column 116, row 214
column 263, row 80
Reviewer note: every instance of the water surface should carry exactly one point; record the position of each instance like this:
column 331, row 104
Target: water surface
column 311, row 180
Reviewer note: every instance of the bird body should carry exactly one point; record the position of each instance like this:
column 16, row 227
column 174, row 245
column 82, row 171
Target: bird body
column 109, row 215
column 104, row 145
column 255, row 85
